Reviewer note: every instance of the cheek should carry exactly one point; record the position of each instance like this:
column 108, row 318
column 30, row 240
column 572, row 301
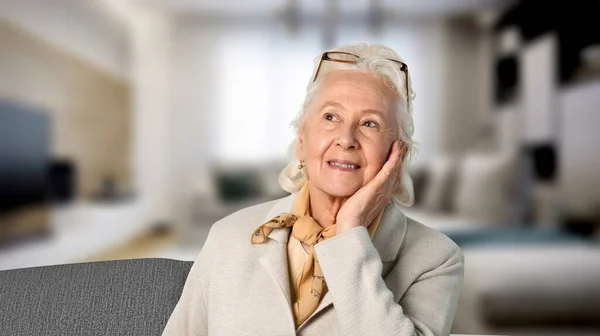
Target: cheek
column 317, row 144
column 376, row 155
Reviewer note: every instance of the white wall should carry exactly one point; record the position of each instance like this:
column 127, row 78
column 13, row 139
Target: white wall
column 78, row 27
column 539, row 90
column 193, row 118
column 151, row 78
column 579, row 153
column 465, row 107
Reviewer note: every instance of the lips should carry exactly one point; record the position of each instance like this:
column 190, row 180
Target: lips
column 343, row 164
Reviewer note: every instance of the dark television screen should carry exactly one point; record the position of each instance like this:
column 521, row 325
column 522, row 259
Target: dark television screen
column 24, row 155
column 507, row 79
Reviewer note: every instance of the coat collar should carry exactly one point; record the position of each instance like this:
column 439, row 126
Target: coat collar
column 281, row 205
column 387, row 239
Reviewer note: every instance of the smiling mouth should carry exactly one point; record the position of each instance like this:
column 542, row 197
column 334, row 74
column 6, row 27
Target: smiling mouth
column 343, row 164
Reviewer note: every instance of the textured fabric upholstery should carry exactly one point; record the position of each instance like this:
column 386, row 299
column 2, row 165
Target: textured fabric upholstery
column 125, row 297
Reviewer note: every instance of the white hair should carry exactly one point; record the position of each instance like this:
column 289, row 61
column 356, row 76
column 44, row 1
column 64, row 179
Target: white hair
column 374, row 58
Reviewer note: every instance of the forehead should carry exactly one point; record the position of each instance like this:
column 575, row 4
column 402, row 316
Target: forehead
column 356, row 87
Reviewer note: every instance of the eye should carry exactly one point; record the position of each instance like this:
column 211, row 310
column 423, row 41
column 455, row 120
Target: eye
column 330, row 117
column 370, row 123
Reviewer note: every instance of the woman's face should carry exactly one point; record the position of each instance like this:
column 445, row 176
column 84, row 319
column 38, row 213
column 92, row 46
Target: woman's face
column 348, row 131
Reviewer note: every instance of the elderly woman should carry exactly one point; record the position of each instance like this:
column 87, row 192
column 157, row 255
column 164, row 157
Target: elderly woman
column 337, row 256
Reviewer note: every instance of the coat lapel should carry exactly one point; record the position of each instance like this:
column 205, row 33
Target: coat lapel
column 326, row 301
column 274, row 257
column 274, row 260
column 390, row 233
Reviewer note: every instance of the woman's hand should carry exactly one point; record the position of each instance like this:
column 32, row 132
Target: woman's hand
column 362, row 207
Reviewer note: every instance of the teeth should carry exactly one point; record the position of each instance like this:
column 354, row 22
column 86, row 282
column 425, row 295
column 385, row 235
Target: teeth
column 343, row 165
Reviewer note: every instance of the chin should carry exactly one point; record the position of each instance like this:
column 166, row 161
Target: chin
column 340, row 189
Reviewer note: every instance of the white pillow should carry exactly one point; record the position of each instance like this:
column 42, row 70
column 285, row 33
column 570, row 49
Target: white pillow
column 486, row 188
column 440, row 179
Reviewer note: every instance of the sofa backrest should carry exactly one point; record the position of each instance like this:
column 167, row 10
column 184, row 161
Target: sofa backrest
column 124, row 297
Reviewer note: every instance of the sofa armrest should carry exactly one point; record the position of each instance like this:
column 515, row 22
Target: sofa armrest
column 125, row 297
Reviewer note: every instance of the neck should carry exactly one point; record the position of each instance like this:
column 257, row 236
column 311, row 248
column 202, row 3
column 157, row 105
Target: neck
column 324, row 207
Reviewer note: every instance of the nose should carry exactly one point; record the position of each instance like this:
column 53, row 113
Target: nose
column 347, row 137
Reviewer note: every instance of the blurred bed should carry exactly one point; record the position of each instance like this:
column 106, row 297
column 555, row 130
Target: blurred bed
column 520, row 276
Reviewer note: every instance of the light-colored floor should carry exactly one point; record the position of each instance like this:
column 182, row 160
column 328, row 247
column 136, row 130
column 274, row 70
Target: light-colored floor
column 141, row 247
column 179, row 252
column 153, row 244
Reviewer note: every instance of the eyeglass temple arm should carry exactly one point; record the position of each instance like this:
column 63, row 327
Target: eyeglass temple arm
column 406, row 83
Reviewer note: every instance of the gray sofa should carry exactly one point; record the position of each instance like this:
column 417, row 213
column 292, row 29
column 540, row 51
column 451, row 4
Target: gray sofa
column 126, row 297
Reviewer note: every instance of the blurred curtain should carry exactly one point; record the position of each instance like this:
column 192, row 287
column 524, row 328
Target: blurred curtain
column 263, row 73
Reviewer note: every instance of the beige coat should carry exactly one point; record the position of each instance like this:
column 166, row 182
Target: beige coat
column 405, row 281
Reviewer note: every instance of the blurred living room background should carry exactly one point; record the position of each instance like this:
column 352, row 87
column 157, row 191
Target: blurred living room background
column 128, row 127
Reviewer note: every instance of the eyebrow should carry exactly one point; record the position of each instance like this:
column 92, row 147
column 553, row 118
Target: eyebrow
column 330, row 104
column 335, row 104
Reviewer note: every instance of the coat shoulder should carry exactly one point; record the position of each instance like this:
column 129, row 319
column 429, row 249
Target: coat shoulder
column 422, row 240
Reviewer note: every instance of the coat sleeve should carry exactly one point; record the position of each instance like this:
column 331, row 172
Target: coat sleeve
column 189, row 318
column 365, row 306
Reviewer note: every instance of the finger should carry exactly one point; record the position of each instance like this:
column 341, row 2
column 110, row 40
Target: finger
column 403, row 149
column 396, row 177
column 390, row 167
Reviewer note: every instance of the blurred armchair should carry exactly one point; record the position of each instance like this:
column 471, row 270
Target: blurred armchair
column 222, row 190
